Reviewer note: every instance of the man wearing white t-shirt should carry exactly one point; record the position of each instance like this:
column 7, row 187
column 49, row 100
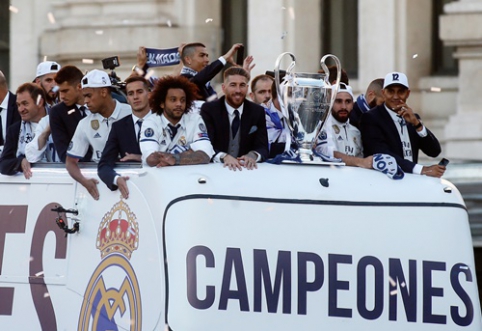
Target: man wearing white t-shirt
column 172, row 135
column 94, row 129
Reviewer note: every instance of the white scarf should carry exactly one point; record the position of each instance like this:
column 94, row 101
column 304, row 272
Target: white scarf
column 27, row 133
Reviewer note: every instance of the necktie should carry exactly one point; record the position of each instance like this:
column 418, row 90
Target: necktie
column 401, row 120
column 173, row 130
column 235, row 124
column 82, row 111
column 139, row 124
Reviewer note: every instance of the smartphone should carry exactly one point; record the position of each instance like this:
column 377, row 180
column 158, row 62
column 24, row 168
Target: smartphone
column 444, row 162
column 240, row 56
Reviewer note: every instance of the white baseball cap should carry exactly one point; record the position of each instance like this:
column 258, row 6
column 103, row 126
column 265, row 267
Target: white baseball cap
column 347, row 89
column 47, row 67
column 95, row 79
column 395, row 78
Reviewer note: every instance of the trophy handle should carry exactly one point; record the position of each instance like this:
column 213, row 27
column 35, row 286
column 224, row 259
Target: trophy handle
column 284, row 110
column 334, row 87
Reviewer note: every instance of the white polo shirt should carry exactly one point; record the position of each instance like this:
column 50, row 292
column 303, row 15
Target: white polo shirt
column 93, row 130
column 192, row 134
column 45, row 154
column 341, row 137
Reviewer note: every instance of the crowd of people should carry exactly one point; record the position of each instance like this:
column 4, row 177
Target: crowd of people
column 69, row 117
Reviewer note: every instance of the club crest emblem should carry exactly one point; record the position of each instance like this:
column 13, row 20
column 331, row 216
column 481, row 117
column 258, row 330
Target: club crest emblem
column 202, row 127
column 113, row 290
column 94, row 124
column 182, row 141
column 148, row 132
column 336, row 129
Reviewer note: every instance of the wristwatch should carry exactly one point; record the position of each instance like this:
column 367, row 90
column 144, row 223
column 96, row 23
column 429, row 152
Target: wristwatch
column 221, row 158
column 419, row 125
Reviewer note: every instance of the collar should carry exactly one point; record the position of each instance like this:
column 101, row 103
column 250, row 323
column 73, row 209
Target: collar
column 186, row 70
column 165, row 122
column 115, row 114
column 335, row 121
column 231, row 109
column 392, row 114
column 4, row 103
column 136, row 118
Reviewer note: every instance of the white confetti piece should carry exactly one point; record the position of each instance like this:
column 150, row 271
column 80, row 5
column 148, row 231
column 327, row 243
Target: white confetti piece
column 13, row 9
column 169, row 23
column 51, row 18
column 208, row 20
column 46, row 294
column 88, row 61
column 394, row 292
column 414, row 56
column 435, row 89
column 45, row 58
column 392, row 282
column 71, row 111
column 99, row 32
column 38, row 274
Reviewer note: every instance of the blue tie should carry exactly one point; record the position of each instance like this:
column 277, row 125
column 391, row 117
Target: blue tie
column 139, row 123
column 235, row 124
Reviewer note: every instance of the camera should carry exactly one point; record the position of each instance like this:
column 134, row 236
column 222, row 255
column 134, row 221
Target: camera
column 118, row 86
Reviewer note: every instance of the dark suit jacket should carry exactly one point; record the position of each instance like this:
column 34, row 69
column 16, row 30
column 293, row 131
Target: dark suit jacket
column 12, row 114
column 10, row 164
column 380, row 135
column 204, row 76
column 63, row 125
column 254, row 136
column 122, row 139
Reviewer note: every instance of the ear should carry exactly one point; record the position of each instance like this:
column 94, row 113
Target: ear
column 408, row 93
column 224, row 88
column 79, row 87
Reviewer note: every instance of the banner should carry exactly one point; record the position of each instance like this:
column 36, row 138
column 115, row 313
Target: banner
column 162, row 57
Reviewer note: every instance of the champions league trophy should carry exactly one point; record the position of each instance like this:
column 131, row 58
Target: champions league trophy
column 306, row 100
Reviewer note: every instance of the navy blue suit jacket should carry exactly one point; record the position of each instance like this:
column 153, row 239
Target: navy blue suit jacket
column 12, row 114
column 204, row 76
column 122, row 139
column 10, row 164
column 62, row 126
column 254, row 136
column 380, row 135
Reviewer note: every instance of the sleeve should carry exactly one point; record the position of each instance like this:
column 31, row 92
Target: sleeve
column 32, row 152
column 208, row 73
column 325, row 144
column 110, row 154
column 151, row 134
column 79, row 144
column 261, row 140
column 200, row 141
column 374, row 141
column 59, row 131
column 10, row 164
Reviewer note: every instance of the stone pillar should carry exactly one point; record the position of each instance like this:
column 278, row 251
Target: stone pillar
column 459, row 27
column 284, row 26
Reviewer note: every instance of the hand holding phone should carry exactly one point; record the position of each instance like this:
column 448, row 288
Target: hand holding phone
column 444, row 162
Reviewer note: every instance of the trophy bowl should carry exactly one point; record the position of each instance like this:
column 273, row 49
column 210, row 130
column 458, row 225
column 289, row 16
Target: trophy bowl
column 306, row 100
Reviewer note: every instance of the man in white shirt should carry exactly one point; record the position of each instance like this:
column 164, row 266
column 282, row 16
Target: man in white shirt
column 173, row 135
column 338, row 138
column 94, row 129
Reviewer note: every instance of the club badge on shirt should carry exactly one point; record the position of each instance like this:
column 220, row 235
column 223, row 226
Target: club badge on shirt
column 202, row 127
column 336, row 128
column 182, row 141
column 95, row 124
column 148, row 132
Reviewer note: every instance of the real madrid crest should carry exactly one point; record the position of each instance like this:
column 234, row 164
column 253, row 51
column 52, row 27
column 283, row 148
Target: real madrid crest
column 94, row 124
column 202, row 127
column 336, row 128
column 182, row 141
column 113, row 289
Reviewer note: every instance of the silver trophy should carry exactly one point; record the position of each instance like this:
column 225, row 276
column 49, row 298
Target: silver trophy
column 306, row 100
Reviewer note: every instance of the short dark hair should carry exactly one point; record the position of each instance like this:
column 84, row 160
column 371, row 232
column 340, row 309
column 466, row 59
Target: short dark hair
column 33, row 89
column 70, row 74
column 134, row 78
column 332, row 74
column 189, row 49
column 258, row 78
column 235, row 70
column 159, row 94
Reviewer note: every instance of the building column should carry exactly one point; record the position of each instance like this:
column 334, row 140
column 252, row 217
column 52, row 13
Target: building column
column 463, row 131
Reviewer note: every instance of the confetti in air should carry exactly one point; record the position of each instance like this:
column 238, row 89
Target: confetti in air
column 394, row 292
column 38, row 274
column 292, row 13
column 414, row 56
column 169, row 23
column 435, row 89
column 13, row 9
column 51, row 18
column 88, row 61
column 392, row 282
column 46, row 294
column 208, row 20
column 99, row 32
column 45, row 58
column 71, row 111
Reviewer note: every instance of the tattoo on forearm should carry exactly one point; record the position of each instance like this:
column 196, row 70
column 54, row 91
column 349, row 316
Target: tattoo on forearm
column 190, row 157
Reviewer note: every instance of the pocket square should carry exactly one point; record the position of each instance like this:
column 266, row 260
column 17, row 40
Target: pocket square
column 253, row 129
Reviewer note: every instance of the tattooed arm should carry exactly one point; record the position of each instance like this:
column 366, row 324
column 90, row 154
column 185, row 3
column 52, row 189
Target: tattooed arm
column 161, row 159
